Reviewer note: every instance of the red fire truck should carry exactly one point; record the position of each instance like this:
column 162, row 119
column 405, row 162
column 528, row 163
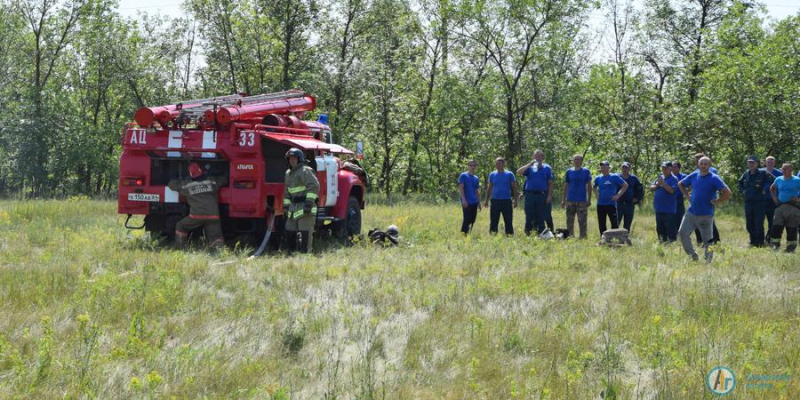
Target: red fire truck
column 245, row 139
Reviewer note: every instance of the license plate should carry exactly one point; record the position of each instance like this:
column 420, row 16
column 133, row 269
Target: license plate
column 143, row 197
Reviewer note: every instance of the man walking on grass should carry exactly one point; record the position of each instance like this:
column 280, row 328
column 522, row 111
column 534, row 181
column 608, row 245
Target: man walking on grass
column 608, row 188
column 714, row 229
column 786, row 194
column 468, row 186
column 665, row 203
column 704, row 187
column 631, row 197
column 538, row 192
column 577, row 195
column 753, row 185
column 769, row 210
column 502, row 192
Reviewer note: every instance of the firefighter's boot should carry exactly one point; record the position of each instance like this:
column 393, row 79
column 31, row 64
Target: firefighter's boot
column 290, row 241
column 217, row 246
column 305, row 238
column 791, row 239
column 775, row 241
column 181, row 240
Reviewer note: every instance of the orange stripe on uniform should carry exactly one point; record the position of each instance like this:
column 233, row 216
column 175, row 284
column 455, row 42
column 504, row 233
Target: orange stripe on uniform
column 193, row 216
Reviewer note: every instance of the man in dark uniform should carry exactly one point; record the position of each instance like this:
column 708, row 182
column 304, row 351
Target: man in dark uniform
column 299, row 202
column 201, row 193
column 753, row 185
column 629, row 199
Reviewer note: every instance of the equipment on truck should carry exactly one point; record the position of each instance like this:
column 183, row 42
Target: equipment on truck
column 245, row 139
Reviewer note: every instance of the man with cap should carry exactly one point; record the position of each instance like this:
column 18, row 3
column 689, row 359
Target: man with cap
column 577, row 195
column 665, row 203
column 200, row 191
column 502, row 192
column 301, row 190
column 786, row 194
column 769, row 209
column 629, row 199
column 608, row 188
column 538, row 192
column 679, row 199
column 753, row 185
column 704, row 185
column 468, row 189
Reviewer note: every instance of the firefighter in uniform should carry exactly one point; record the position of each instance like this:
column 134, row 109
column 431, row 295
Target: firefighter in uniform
column 201, row 193
column 299, row 202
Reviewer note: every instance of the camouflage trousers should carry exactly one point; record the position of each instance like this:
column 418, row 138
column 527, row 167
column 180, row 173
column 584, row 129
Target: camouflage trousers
column 581, row 209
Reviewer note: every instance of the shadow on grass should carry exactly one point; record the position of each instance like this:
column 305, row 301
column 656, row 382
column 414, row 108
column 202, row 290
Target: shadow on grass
column 241, row 246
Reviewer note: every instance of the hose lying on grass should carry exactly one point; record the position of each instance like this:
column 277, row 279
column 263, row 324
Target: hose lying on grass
column 267, row 234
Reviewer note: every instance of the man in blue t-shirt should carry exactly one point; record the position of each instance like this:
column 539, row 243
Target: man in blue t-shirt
column 468, row 189
column 538, row 191
column 577, row 195
column 502, row 192
column 626, row 204
column 713, row 170
column 752, row 185
column 704, row 185
column 608, row 188
column 769, row 212
column 665, row 203
column 679, row 199
column 786, row 194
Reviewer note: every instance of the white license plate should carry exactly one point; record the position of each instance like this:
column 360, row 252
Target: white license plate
column 143, row 197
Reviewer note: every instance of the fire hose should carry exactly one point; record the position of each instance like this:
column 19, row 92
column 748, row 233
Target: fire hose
column 267, row 234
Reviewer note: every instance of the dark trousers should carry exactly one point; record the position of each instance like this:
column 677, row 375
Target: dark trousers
column 754, row 212
column 666, row 227
column 611, row 212
column 625, row 215
column 769, row 213
column 548, row 217
column 535, row 212
column 470, row 213
column 501, row 207
column 679, row 213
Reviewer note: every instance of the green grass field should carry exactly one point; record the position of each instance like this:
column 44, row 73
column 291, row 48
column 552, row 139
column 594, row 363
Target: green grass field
column 91, row 310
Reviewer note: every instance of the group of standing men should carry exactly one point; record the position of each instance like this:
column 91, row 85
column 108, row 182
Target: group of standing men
column 772, row 194
column 617, row 194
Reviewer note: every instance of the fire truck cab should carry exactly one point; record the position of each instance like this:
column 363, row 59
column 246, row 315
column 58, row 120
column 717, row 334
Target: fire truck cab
column 244, row 138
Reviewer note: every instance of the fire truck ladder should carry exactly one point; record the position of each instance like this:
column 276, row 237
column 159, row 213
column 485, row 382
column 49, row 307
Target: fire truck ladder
column 194, row 113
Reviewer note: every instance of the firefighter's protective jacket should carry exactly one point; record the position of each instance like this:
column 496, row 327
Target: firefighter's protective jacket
column 200, row 194
column 301, row 185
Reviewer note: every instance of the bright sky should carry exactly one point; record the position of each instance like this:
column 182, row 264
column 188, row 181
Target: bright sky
column 776, row 9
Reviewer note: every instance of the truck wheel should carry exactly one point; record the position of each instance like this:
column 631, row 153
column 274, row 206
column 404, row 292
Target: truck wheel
column 351, row 224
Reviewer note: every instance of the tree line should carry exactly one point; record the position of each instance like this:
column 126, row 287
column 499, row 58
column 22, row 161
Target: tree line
column 425, row 84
